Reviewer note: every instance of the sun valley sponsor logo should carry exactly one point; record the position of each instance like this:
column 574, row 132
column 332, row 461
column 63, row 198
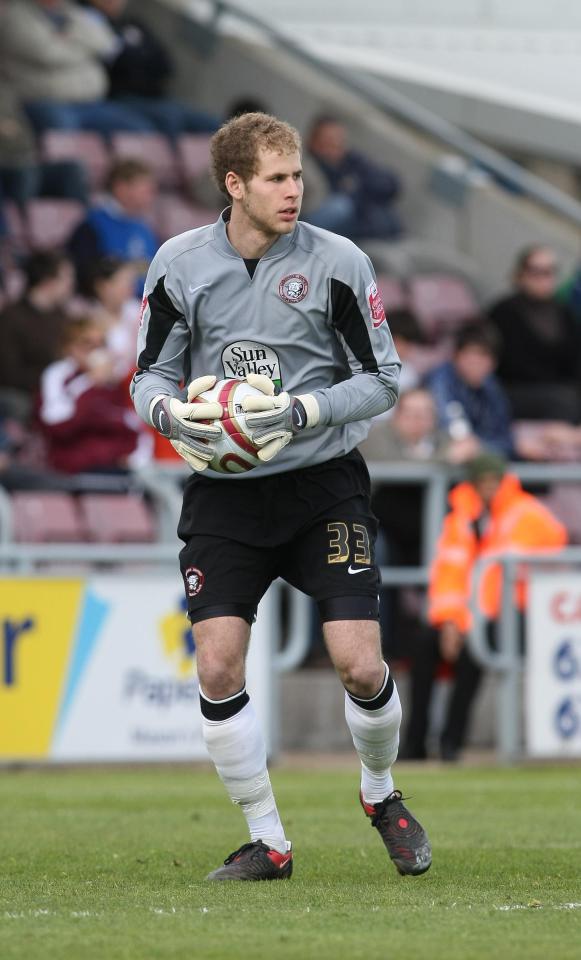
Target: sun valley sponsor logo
column 375, row 303
column 246, row 356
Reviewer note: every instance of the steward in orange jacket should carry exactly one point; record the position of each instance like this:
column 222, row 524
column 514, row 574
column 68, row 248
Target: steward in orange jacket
column 491, row 514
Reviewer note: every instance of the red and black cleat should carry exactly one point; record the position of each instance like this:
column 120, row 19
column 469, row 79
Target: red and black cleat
column 405, row 839
column 255, row 861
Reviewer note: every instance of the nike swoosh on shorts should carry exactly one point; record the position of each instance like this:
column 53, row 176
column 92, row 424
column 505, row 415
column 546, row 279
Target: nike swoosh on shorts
column 357, row 570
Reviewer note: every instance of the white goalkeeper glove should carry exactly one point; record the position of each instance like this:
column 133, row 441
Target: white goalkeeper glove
column 179, row 422
column 275, row 420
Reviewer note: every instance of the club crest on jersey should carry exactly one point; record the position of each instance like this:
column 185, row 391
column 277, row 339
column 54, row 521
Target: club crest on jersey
column 194, row 581
column 247, row 356
column 375, row 303
column 294, row 288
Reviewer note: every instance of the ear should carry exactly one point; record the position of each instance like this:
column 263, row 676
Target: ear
column 234, row 185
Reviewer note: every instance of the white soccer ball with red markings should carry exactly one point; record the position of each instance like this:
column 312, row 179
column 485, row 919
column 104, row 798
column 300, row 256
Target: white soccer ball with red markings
column 235, row 451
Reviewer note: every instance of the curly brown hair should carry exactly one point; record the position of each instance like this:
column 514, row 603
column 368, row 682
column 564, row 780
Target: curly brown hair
column 236, row 145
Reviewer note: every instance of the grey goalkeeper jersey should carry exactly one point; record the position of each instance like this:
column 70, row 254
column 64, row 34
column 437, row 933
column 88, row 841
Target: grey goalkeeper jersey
column 310, row 318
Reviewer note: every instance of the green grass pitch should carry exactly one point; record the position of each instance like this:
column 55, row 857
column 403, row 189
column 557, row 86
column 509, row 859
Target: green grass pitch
column 109, row 865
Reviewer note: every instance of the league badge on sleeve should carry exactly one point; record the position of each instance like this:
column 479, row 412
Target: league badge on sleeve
column 375, row 303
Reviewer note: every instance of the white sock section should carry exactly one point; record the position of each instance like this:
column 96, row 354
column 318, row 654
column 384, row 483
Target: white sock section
column 376, row 738
column 237, row 749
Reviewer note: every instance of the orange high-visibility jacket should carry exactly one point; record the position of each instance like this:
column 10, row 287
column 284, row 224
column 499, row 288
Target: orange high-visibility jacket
column 517, row 523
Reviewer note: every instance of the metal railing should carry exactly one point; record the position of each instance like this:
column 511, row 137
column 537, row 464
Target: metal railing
column 389, row 102
column 508, row 659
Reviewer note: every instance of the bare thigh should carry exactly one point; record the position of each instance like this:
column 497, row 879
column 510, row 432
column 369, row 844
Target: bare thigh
column 221, row 646
column 355, row 649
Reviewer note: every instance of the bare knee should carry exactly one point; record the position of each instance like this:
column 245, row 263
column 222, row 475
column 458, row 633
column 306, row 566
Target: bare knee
column 221, row 645
column 361, row 679
column 355, row 650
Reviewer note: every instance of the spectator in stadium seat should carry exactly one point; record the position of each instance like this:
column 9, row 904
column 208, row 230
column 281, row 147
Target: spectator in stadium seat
column 540, row 342
column 470, row 401
column 490, row 513
column 118, row 225
column 362, row 194
column 83, row 409
column 23, row 176
column 32, row 329
column 116, row 308
column 139, row 70
column 52, row 53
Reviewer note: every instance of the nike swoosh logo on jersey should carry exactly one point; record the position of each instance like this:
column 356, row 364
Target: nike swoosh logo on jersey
column 350, row 569
column 199, row 287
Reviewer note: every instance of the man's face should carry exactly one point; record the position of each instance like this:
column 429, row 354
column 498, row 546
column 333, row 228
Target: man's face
column 487, row 486
column 538, row 278
column 474, row 364
column 271, row 199
column 414, row 416
column 329, row 142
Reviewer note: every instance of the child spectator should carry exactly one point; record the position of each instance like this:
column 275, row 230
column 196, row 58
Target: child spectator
column 83, row 408
column 118, row 226
column 111, row 283
column 470, row 401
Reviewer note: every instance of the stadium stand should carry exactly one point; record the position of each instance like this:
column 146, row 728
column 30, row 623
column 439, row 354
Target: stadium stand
column 46, row 518
column 155, row 149
column 116, row 518
column 87, row 147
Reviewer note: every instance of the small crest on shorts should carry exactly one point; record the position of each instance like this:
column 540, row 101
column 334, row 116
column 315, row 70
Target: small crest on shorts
column 294, row 288
column 376, row 308
column 194, row 581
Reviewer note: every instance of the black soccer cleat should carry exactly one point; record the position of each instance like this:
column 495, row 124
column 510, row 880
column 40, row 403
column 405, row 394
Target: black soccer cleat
column 255, row 861
column 405, row 839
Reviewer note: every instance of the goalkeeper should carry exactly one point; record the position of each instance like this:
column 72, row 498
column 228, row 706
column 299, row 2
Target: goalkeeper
column 296, row 311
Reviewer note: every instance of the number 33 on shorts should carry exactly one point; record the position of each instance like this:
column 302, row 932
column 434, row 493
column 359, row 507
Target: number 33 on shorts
column 349, row 542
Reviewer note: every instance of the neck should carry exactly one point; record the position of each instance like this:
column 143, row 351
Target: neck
column 249, row 240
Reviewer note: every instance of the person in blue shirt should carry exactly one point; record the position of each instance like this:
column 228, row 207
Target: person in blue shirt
column 471, row 403
column 118, row 225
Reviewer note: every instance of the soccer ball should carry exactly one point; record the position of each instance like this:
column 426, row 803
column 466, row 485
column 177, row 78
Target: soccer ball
column 235, row 451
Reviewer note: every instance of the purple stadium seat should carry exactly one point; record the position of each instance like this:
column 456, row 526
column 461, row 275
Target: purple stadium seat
column 51, row 222
column 175, row 215
column 153, row 149
column 193, row 154
column 88, row 148
column 116, row 518
column 442, row 302
column 39, row 517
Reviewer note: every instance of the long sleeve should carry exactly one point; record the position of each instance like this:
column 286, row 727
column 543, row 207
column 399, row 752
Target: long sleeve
column 163, row 343
column 357, row 317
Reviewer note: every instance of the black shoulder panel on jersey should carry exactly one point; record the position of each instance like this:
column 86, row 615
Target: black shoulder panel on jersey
column 162, row 317
column 348, row 319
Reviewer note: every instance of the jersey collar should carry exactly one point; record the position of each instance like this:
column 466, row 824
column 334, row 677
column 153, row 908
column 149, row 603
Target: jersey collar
column 278, row 249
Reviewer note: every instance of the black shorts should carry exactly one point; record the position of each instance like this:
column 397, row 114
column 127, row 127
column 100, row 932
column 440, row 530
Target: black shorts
column 312, row 527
